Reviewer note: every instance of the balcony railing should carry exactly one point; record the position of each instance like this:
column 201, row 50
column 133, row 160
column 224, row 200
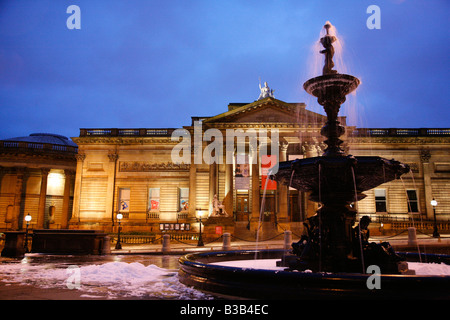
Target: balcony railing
column 114, row 132
column 400, row 132
column 357, row 132
column 34, row 146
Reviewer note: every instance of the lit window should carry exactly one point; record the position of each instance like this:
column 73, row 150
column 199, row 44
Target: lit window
column 380, row 200
column 153, row 199
column 124, row 200
column 413, row 203
column 183, row 196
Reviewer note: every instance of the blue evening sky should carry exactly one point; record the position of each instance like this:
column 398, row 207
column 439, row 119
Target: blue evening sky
column 154, row 64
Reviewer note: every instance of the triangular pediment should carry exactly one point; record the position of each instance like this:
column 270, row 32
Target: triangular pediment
column 266, row 110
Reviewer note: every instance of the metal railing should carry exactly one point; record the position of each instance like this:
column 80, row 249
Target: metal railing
column 400, row 132
column 35, row 147
column 155, row 238
column 115, row 132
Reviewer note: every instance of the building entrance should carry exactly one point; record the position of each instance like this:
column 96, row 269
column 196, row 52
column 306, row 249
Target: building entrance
column 242, row 207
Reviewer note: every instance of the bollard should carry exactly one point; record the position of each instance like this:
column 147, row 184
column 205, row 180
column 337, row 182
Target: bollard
column 287, row 240
column 412, row 239
column 226, row 241
column 14, row 243
column 166, row 243
column 106, row 249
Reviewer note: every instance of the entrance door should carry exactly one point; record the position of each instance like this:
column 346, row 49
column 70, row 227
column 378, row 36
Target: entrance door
column 269, row 207
column 294, row 206
column 242, row 207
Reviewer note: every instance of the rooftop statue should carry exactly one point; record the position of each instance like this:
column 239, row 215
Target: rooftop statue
column 265, row 91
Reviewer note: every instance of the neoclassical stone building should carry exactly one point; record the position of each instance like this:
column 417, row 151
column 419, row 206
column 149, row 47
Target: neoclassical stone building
column 37, row 174
column 160, row 177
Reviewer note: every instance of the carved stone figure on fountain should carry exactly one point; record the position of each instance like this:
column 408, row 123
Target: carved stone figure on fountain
column 381, row 254
column 327, row 43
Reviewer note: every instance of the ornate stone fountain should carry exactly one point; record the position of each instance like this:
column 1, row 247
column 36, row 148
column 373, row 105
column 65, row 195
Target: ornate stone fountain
column 333, row 252
column 336, row 180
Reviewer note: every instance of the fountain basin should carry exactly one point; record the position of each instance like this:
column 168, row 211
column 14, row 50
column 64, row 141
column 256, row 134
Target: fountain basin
column 337, row 177
column 331, row 85
column 196, row 270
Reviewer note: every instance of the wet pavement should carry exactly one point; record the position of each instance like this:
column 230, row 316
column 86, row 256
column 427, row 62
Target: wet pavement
column 137, row 272
column 122, row 277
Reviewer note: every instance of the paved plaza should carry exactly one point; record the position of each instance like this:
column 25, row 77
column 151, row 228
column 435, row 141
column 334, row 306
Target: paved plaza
column 24, row 279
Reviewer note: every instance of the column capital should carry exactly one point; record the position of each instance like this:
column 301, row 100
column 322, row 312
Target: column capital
column 425, row 155
column 113, row 157
column 45, row 171
column 20, row 170
column 80, row 156
column 283, row 144
column 69, row 172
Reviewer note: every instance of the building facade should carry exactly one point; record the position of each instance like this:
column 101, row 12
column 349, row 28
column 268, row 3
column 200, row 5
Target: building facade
column 158, row 179
column 37, row 175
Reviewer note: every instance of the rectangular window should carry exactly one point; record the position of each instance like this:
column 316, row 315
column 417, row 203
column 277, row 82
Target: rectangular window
column 153, row 199
column 124, row 200
column 413, row 203
column 380, row 200
column 183, row 196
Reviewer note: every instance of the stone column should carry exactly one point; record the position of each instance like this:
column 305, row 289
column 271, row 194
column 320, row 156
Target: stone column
column 425, row 156
column 69, row 175
column 18, row 191
column 256, row 196
column 2, row 173
column 77, row 189
column 192, row 188
column 283, row 189
column 228, row 200
column 42, row 198
column 212, row 185
column 110, row 191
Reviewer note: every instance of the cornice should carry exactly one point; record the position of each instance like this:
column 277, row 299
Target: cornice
column 123, row 140
column 399, row 140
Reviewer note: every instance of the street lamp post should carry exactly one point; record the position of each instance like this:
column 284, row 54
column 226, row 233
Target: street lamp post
column 435, row 231
column 27, row 219
column 118, row 244
column 199, row 218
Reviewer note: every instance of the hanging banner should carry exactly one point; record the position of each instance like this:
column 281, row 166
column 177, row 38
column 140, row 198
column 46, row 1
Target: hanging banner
column 268, row 162
column 242, row 173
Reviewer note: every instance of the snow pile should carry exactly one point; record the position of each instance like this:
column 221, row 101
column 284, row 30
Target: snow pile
column 440, row 269
column 436, row 269
column 265, row 264
column 115, row 279
column 121, row 279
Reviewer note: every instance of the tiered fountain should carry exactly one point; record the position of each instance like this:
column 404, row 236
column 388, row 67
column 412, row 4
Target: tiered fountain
column 333, row 253
column 337, row 180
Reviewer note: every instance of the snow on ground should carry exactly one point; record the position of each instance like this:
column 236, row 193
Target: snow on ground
column 118, row 279
column 270, row 264
column 113, row 279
